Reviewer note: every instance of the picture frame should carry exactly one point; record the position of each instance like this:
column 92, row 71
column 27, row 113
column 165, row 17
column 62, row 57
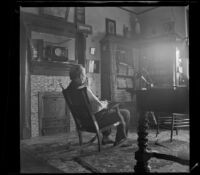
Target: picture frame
column 55, row 12
column 79, row 15
column 110, row 27
column 92, row 66
column 169, row 27
column 125, row 31
column 92, row 50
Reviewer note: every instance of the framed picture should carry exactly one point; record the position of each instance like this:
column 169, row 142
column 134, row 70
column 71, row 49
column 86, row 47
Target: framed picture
column 125, row 31
column 92, row 66
column 57, row 12
column 110, row 27
column 92, row 50
column 79, row 15
column 169, row 27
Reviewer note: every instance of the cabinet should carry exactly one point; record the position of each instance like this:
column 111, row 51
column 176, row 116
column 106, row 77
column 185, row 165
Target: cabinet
column 117, row 68
column 161, row 61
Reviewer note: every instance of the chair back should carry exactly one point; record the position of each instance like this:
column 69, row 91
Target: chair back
column 79, row 105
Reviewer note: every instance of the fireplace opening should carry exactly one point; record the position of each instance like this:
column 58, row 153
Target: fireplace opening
column 54, row 115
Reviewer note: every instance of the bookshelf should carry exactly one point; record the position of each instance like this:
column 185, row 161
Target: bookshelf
column 117, row 68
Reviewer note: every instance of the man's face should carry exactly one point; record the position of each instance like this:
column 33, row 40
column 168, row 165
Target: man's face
column 83, row 76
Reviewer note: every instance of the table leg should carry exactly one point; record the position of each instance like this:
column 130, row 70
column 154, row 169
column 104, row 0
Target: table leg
column 142, row 155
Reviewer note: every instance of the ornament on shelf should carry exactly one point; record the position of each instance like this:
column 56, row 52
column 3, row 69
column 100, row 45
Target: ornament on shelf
column 125, row 31
column 137, row 26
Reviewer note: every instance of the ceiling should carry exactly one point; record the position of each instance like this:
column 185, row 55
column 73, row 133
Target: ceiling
column 138, row 10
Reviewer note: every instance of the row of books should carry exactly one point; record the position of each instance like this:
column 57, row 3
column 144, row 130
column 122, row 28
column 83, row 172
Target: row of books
column 125, row 69
column 124, row 82
column 122, row 95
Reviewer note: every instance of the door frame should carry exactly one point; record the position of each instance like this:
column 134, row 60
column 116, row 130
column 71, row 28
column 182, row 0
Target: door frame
column 25, row 106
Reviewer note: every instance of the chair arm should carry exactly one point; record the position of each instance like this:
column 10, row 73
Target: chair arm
column 113, row 105
column 116, row 108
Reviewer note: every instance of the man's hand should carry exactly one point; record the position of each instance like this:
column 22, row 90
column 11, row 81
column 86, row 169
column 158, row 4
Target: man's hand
column 104, row 103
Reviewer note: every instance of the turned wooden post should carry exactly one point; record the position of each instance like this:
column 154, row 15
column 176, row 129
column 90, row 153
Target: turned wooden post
column 142, row 155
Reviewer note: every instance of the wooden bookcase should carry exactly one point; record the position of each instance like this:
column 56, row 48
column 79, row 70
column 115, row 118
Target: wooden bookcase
column 117, row 68
column 119, row 62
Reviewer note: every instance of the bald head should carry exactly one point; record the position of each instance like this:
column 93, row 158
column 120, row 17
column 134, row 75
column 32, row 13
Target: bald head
column 78, row 74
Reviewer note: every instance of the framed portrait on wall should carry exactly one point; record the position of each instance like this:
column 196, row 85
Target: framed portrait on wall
column 56, row 12
column 110, row 26
column 79, row 15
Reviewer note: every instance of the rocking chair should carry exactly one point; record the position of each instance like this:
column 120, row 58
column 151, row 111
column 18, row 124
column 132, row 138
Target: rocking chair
column 85, row 121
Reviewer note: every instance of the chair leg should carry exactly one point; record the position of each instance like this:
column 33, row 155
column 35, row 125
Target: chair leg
column 172, row 128
column 80, row 137
column 171, row 138
column 99, row 141
column 157, row 128
column 176, row 131
column 92, row 140
column 175, row 118
column 157, row 125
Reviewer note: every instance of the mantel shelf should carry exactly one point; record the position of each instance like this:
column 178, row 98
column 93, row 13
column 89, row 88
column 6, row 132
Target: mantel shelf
column 51, row 68
column 46, row 24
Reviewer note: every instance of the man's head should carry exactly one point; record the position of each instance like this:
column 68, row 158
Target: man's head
column 78, row 74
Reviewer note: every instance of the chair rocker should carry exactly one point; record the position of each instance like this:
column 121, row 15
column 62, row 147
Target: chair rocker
column 85, row 121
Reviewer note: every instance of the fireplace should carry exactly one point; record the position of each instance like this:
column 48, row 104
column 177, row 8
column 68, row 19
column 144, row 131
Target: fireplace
column 53, row 113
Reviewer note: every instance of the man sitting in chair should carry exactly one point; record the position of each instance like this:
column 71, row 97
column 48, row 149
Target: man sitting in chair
column 106, row 117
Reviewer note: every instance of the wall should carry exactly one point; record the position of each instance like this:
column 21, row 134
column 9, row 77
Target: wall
column 152, row 22
column 33, row 10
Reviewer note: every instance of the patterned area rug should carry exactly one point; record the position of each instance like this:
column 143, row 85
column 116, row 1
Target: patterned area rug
column 123, row 159
column 71, row 159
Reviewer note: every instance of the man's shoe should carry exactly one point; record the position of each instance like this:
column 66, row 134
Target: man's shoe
column 107, row 141
column 119, row 143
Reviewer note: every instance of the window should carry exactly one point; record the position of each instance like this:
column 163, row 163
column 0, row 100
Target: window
column 187, row 21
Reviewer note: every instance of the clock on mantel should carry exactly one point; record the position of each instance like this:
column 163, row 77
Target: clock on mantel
column 50, row 47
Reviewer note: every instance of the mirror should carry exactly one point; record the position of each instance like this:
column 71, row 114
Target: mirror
column 51, row 47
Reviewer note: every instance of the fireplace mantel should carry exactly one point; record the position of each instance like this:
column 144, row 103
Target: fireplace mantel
column 51, row 69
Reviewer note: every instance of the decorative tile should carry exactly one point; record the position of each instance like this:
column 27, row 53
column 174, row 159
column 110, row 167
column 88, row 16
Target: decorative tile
column 41, row 83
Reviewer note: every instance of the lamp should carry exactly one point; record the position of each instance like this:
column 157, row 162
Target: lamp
column 140, row 74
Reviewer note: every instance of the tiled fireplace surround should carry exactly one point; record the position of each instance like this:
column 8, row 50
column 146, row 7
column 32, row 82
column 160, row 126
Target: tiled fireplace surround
column 42, row 83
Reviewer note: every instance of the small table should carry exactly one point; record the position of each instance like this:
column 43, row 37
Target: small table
column 174, row 100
